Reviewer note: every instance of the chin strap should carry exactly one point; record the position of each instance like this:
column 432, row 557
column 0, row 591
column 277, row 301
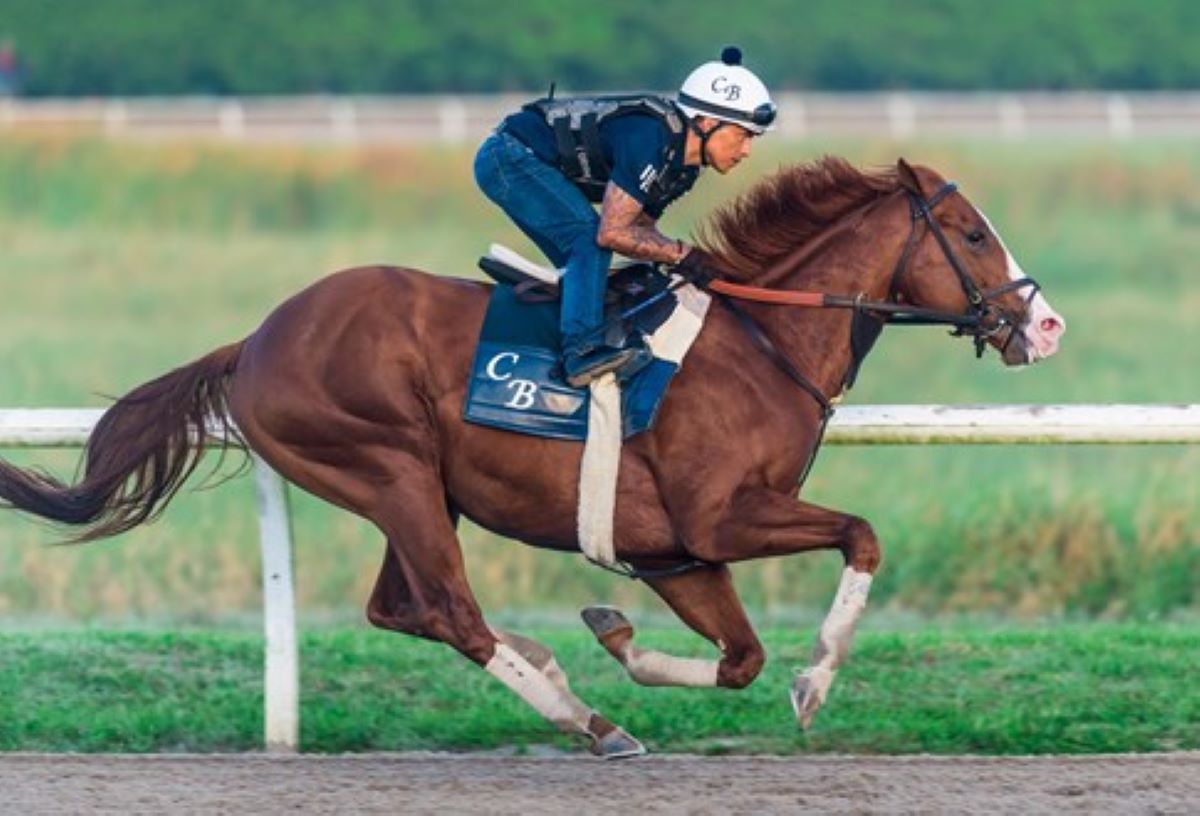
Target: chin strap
column 704, row 137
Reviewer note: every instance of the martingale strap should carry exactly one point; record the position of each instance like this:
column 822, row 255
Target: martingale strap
column 760, row 339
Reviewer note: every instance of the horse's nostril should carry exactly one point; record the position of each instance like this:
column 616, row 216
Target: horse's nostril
column 1050, row 325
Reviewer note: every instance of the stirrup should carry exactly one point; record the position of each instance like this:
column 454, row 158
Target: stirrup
column 580, row 369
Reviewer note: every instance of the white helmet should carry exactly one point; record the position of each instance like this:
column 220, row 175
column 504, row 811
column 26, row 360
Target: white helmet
column 725, row 90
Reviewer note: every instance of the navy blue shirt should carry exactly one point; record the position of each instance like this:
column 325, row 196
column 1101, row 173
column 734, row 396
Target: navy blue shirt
column 635, row 146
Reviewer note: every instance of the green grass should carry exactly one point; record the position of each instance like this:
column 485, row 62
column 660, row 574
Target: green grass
column 122, row 261
column 952, row 688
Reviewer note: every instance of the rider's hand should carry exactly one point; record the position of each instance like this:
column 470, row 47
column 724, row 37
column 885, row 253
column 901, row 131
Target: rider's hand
column 698, row 266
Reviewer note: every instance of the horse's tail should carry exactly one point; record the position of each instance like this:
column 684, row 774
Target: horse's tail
column 139, row 454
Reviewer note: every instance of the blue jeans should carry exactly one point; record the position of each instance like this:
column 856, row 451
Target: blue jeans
column 557, row 217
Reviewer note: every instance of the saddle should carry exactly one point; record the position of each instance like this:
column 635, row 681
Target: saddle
column 630, row 283
column 516, row 379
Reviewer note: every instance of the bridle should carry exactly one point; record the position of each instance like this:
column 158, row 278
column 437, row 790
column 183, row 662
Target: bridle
column 983, row 319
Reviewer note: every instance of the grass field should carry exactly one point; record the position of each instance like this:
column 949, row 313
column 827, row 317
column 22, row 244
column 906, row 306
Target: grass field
column 952, row 689
column 124, row 260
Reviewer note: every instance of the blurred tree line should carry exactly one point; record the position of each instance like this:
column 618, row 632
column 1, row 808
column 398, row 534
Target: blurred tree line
column 99, row 47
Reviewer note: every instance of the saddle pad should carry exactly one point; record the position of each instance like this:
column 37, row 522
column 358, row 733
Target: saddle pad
column 516, row 384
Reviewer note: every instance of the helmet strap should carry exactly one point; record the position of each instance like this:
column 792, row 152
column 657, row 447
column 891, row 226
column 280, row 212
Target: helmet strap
column 704, row 135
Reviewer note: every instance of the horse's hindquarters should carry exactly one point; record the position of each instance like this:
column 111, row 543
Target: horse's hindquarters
column 335, row 389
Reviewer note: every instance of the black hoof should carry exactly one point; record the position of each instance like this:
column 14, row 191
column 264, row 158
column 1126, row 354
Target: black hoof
column 604, row 620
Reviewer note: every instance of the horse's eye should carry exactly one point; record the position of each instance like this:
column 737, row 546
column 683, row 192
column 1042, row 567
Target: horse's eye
column 976, row 238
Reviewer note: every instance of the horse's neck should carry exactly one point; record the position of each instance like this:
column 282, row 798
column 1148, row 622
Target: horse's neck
column 857, row 255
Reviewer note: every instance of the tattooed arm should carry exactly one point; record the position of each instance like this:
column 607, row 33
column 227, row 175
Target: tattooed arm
column 626, row 228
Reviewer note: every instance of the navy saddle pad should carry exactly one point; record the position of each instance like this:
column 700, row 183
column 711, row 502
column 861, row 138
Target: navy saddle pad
column 516, row 379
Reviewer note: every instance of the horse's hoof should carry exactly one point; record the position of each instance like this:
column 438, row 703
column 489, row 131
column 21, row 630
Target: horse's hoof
column 808, row 694
column 605, row 620
column 616, row 744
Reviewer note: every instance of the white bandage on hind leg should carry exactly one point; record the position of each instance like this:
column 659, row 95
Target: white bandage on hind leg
column 550, row 700
column 598, row 471
column 650, row 668
column 538, row 656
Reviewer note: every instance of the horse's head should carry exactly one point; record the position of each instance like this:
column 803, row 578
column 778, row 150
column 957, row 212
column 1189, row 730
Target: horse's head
column 956, row 262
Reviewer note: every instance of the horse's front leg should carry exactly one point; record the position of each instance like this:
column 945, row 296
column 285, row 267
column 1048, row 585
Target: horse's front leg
column 762, row 523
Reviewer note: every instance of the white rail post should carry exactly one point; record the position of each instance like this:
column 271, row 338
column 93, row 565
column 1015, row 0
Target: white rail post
column 116, row 117
column 343, row 120
column 281, row 682
column 231, row 119
column 452, row 120
column 795, row 121
column 1120, row 117
column 1012, row 117
column 902, row 115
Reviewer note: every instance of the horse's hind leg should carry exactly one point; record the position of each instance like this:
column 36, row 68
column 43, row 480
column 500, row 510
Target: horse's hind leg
column 609, row 741
column 706, row 601
column 422, row 590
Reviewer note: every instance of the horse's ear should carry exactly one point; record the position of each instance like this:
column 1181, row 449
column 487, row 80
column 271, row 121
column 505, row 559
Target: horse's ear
column 908, row 177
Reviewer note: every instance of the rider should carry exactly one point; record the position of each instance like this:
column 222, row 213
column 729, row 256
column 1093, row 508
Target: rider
column 634, row 155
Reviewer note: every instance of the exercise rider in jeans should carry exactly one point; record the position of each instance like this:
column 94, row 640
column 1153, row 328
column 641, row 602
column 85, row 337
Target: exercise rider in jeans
column 548, row 163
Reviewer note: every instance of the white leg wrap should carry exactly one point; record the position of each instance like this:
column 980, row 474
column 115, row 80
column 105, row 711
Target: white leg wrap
column 538, row 656
column 651, row 668
column 833, row 644
column 551, row 701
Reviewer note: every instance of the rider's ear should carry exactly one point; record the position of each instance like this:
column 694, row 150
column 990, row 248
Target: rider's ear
column 908, row 177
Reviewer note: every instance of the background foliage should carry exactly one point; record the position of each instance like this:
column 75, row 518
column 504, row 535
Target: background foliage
column 83, row 47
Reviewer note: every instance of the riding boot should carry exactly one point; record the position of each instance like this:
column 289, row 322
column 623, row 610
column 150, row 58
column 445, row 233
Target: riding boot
column 583, row 363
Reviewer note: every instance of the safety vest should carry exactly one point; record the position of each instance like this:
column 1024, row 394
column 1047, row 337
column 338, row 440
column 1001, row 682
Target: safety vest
column 576, row 125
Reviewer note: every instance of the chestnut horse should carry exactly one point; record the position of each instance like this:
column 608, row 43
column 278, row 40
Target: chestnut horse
column 353, row 390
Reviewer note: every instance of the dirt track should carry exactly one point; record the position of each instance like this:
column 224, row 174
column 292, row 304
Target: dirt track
column 425, row 783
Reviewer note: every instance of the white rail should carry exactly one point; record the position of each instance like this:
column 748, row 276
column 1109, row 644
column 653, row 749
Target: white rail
column 1015, row 424
column 852, row 425
column 1113, row 424
column 463, row 119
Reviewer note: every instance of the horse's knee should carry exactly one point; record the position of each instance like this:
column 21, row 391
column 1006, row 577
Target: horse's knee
column 861, row 546
column 738, row 669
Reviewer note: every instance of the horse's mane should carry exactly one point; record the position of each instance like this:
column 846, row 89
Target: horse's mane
column 786, row 210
